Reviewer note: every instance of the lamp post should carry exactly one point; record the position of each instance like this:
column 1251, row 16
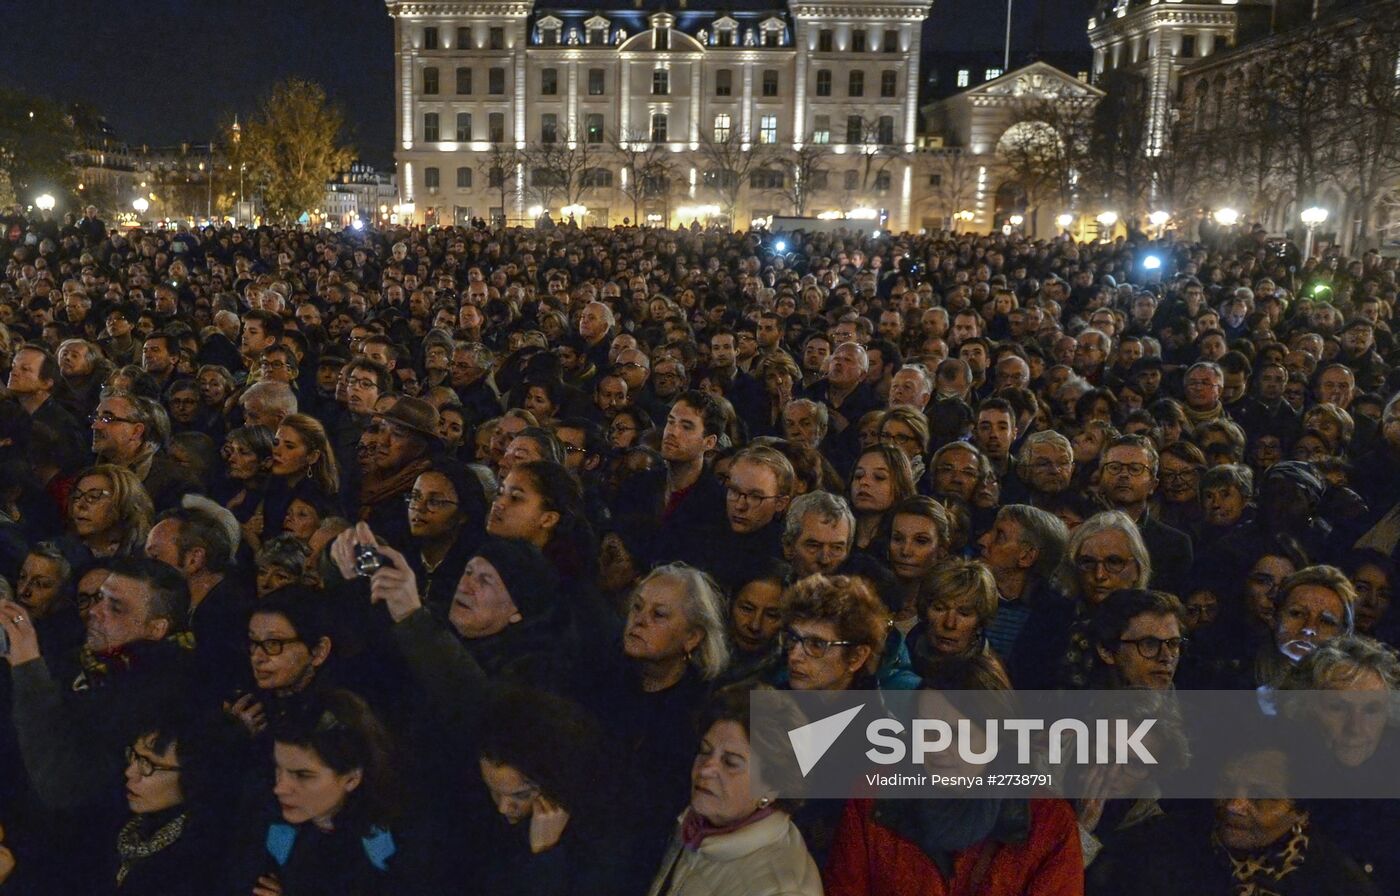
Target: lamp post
column 1106, row 221
column 44, row 202
column 1065, row 221
column 140, row 204
column 1226, row 217
column 1312, row 219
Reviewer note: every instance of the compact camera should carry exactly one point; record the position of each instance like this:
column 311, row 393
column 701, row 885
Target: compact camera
column 368, row 561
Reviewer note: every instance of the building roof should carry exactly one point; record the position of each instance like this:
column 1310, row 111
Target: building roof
column 940, row 70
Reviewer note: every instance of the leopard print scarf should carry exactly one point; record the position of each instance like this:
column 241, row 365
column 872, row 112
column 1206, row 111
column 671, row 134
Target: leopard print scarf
column 1254, row 874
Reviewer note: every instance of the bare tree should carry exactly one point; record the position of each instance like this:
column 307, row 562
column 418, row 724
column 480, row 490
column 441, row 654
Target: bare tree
column 1119, row 164
column 647, row 169
column 501, row 164
column 559, row 172
column 1047, row 151
column 876, row 155
column 728, row 164
column 953, row 179
column 805, row 174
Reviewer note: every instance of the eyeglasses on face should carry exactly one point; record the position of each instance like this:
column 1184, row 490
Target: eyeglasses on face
column 432, row 502
column 1113, row 565
column 813, row 646
column 91, row 496
column 270, row 646
column 1114, row 468
column 145, row 766
column 739, row 496
column 1150, row 648
column 107, row 418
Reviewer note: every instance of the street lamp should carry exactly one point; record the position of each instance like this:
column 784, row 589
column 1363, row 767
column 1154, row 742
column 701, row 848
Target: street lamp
column 1065, row 221
column 1159, row 219
column 1312, row 219
column 140, row 204
column 44, row 202
column 1226, row 217
column 1017, row 220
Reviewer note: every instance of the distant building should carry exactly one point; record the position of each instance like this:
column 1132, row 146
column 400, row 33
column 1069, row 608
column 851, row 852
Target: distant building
column 363, row 192
column 474, row 77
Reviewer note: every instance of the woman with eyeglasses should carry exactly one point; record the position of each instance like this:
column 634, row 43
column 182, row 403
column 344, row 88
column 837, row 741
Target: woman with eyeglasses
column 446, row 522
column 109, row 514
column 833, row 634
column 1180, row 468
column 336, row 792
column 181, row 776
column 1105, row 553
column 880, row 479
column 628, row 427
column 289, row 646
column 303, row 464
column 907, row 429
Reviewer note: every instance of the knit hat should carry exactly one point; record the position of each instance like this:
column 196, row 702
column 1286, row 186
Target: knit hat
column 1300, row 473
column 527, row 575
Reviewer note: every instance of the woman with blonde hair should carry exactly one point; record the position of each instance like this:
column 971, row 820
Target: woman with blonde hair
column 303, row 468
column 109, row 514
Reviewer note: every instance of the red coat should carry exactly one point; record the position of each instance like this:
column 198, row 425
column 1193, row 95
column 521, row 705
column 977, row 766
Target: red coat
column 868, row 859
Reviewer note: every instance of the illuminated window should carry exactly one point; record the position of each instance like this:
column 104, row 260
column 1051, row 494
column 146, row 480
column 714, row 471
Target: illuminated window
column 963, row 75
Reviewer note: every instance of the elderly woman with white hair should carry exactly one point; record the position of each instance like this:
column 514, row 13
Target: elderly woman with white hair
column 674, row 646
column 1105, row 553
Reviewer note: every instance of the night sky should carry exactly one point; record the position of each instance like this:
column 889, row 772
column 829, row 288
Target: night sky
column 164, row 71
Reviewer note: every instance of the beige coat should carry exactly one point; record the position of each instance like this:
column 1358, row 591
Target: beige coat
column 766, row 858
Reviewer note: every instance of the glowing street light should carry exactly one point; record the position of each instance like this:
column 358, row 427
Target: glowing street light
column 1017, row 220
column 44, row 202
column 577, row 212
column 1226, row 217
column 1065, row 221
column 1312, row 219
column 1159, row 219
column 1107, row 220
column 140, row 204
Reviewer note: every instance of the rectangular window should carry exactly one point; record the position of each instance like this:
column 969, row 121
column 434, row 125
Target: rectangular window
column 464, row 178
column 724, row 37
column 496, row 82
column 821, row 129
column 496, row 127
column 660, row 82
column 852, row 181
column 823, row 82
column 816, row 180
column 431, row 179
column 596, row 178
column 935, row 180
column 430, row 127
column 495, row 178
column 593, row 128
column 597, row 35
column 496, row 38
column 549, row 37
column 549, row 128
column 885, row 136
column 430, row 38
column 772, row 38
column 882, row 182
column 770, row 82
column 663, row 39
column 891, row 41
column 858, row 41
column 658, row 127
column 724, row 82
column 766, row 179
column 464, row 38
column 596, row 81
column 992, row 74
column 549, row 82
column 464, row 81
column 856, row 85
column 464, row 127
column 430, row 81
column 889, row 83
column 853, row 129
column 1188, row 46
column 768, row 129
column 963, row 76
column 723, row 124
column 824, row 40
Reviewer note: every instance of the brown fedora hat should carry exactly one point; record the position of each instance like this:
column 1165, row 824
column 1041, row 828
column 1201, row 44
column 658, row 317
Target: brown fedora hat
column 413, row 414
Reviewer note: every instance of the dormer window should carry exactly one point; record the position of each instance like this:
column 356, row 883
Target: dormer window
column 772, row 32
column 725, row 31
column 663, row 39
column 596, row 29
column 549, row 30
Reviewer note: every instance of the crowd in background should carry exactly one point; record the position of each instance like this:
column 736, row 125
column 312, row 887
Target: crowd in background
column 446, row 560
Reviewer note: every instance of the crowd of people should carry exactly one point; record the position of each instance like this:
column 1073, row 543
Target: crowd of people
column 446, row 560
